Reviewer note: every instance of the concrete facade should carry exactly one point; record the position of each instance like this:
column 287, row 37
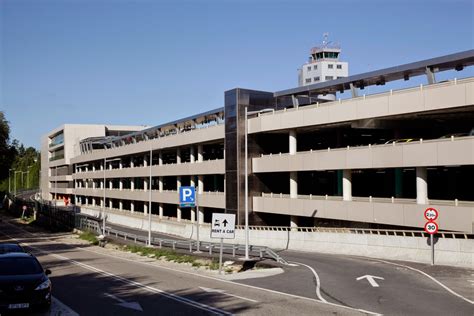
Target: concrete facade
column 371, row 160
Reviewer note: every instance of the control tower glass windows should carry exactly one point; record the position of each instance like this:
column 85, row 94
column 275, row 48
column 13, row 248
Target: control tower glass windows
column 330, row 54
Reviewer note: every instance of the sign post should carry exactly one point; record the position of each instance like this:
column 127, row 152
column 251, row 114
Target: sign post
column 223, row 227
column 431, row 227
column 188, row 198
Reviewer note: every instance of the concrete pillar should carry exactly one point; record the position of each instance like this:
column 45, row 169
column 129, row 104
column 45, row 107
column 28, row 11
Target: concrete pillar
column 192, row 155
column 178, row 213
column 347, row 185
column 145, row 209
column 293, row 222
column 110, row 204
column 102, row 203
column 120, row 184
column 160, row 184
column 293, row 174
column 132, row 184
column 160, row 158
column 132, row 165
column 120, row 205
column 201, row 215
column 178, row 155
column 193, row 215
column 93, row 167
column 111, row 185
column 87, row 184
column 200, row 184
column 145, row 185
column 120, row 164
column 421, row 185
column 200, row 153
column 293, row 184
column 160, row 210
column 110, row 166
column 293, row 143
column 132, row 206
column 93, row 202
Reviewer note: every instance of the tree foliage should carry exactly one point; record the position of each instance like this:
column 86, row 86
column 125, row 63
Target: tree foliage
column 14, row 157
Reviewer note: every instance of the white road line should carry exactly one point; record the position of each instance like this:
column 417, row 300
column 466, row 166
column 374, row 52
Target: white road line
column 430, row 277
column 209, row 290
column 180, row 299
column 318, row 281
column 59, row 308
column 218, row 279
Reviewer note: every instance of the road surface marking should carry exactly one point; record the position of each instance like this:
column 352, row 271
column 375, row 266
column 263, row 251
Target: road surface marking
column 371, row 280
column 132, row 305
column 211, row 278
column 59, row 308
column 137, row 284
column 318, row 281
column 209, row 290
column 430, row 277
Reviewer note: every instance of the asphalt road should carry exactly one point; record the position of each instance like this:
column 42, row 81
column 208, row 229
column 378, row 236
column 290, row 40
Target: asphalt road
column 91, row 281
column 398, row 290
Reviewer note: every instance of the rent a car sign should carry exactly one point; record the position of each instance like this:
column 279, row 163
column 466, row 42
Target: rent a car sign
column 223, row 226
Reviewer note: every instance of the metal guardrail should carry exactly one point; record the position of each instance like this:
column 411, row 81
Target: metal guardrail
column 363, row 231
column 258, row 251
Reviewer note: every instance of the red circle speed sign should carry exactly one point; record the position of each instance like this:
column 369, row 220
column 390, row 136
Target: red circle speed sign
column 431, row 214
column 431, row 227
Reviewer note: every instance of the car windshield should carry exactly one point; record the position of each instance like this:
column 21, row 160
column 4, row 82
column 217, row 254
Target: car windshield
column 10, row 248
column 19, row 266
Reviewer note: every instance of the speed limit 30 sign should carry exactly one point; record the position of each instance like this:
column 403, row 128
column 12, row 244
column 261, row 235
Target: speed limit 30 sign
column 431, row 228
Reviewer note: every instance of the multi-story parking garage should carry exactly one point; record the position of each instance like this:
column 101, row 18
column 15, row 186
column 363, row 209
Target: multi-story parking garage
column 366, row 160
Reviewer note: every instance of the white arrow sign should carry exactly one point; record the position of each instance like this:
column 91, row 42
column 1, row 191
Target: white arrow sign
column 371, row 280
column 209, row 290
column 132, row 305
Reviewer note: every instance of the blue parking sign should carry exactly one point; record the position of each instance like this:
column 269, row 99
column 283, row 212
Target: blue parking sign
column 187, row 197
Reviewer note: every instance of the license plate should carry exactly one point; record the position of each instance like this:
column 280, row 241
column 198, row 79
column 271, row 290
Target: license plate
column 18, row 306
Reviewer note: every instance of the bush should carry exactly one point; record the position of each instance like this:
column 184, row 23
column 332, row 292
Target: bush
column 90, row 237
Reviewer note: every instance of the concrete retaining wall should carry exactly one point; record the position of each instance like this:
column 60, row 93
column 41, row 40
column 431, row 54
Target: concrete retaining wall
column 453, row 252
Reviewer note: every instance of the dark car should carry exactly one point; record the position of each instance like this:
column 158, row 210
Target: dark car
column 10, row 247
column 23, row 283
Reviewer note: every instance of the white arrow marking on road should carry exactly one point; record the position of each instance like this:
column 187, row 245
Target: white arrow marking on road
column 209, row 290
column 371, row 280
column 132, row 305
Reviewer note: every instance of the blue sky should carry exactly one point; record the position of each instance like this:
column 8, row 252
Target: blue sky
column 148, row 62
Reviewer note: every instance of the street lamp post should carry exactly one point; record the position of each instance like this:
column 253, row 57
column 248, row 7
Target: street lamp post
column 14, row 182
column 28, row 177
column 246, row 190
column 9, row 180
column 103, row 204
column 247, row 113
column 149, row 202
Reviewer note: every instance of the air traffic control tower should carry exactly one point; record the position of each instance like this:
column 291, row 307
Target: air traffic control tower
column 323, row 64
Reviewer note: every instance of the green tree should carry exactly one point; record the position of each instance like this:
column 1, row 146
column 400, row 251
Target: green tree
column 13, row 155
column 7, row 152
